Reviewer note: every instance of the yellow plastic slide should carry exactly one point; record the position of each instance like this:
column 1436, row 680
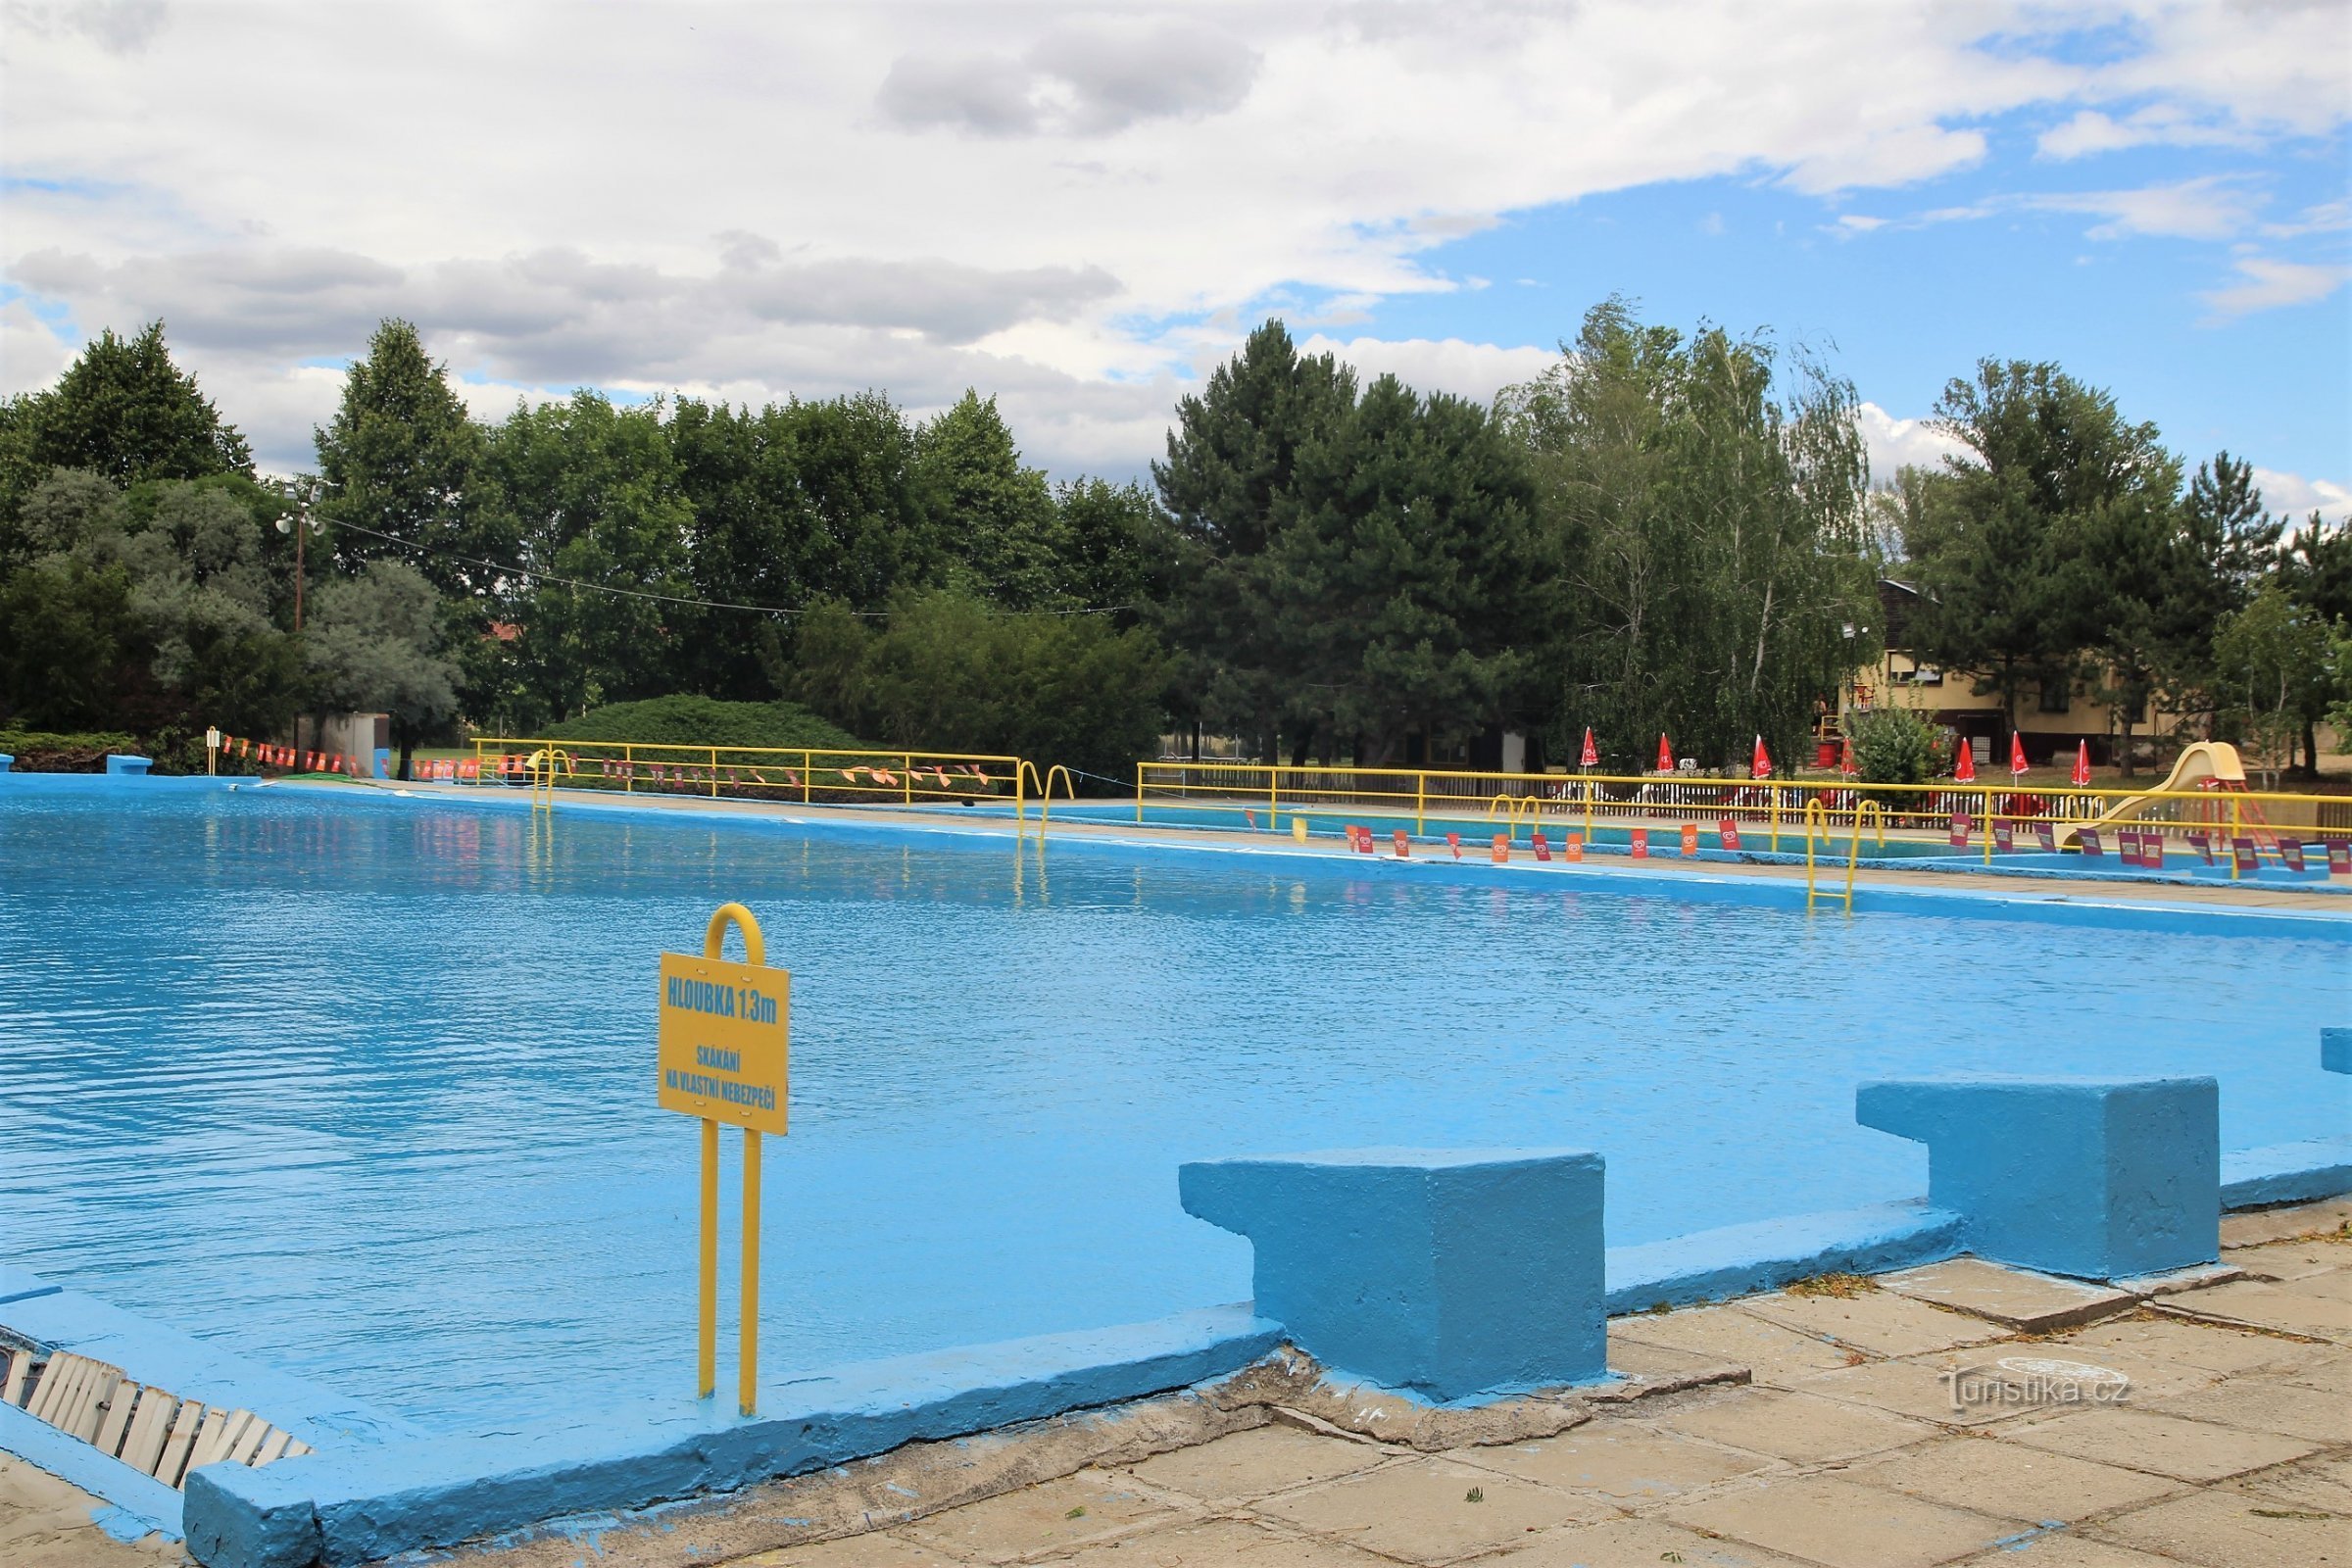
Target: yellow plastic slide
column 2205, row 766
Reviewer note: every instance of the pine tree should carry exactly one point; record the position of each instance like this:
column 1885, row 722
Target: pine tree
column 996, row 518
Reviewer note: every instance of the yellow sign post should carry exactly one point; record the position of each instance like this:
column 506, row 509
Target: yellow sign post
column 722, row 1051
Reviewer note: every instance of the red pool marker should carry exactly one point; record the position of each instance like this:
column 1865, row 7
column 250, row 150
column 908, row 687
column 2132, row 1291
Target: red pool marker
column 1542, row 846
column 1502, row 848
column 2340, row 858
column 2151, row 852
column 2291, row 852
column 1454, row 842
column 2202, row 842
column 1574, row 848
column 1962, row 826
column 2127, row 839
column 1729, row 832
column 1252, row 817
column 2248, row 858
column 1404, row 845
column 1641, row 838
column 2091, row 848
column 2004, row 835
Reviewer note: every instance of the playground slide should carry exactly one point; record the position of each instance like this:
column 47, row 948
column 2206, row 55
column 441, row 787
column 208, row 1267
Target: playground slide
column 2205, row 766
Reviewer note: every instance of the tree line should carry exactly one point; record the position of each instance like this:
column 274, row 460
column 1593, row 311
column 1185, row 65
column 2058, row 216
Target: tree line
column 1665, row 532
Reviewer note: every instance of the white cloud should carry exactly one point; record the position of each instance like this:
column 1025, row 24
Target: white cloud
column 1473, row 370
column 1894, row 444
column 2208, row 207
column 2089, row 131
column 32, row 355
column 2299, row 497
column 1071, row 206
column 2268, row 284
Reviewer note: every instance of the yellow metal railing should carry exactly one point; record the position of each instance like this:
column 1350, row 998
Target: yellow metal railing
column 810, row 775
column 1671, row 798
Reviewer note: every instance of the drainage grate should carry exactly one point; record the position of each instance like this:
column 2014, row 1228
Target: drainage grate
column 150, row 1428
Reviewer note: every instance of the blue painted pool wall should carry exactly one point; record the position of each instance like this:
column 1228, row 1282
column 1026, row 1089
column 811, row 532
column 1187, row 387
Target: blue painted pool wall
column 7, row 761
column 142, row 1498
column 1742, row 1260
column 2097, row 1178
column 119, row 766
column 2335, row 1050
column 1446, row 1274
column 356, row 1505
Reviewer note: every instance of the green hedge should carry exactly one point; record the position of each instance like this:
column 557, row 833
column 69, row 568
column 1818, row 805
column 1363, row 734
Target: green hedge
column 705, row 721
column 44, row 751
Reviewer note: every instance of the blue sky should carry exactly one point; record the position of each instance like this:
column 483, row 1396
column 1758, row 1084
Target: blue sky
column 1081, row 210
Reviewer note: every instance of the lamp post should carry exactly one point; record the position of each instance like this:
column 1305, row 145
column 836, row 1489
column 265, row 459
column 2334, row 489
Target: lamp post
column 300, row 525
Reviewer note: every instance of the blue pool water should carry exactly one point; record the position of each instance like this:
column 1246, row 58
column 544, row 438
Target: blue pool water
column 364, row 1087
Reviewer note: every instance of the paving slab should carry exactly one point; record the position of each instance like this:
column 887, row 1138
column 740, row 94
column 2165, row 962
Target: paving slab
column 1772, row 1353
column 2267, row 1404
column 1620, row 1460
column 2253, row 1227
column 1801, row 1428
column 2038, row 1303
column 1827, row 1520
column 2163, row 1445
column 1219, row 1540
column 1420, row 1510
column 2058, row 1549
column 854, row 1552
column 2324, row 1481
column 2273, row 1306
column 1069, row 1513
column 2332, row 1373
column 2174, row 1281
column 2225, row 1529
column 1642, row 1363
column 1927, row 1389
column 2290, row 1261
column 1256, row 1464
column 45, row 1523
column 1879, row 1322
column 2217, row 1348
column 2010, row 1481
column 1638, row 1543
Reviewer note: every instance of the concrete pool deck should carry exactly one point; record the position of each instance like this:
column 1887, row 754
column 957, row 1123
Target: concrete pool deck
column 2007, row 886
column 1811, row 1429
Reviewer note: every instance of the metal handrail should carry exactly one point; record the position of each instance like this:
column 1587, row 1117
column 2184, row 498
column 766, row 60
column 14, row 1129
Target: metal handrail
column 902, row 777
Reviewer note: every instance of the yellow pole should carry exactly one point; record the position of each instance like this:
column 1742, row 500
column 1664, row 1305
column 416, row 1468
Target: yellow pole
column 628, row 786
column 1420, row 804
column 1139, row 793
column 1776, row 816
column 1988, row 827
column 1273, row 797
column 1808, row 859
column 805, row 776
column 714, row 772
column 747, row 1349
column 1020, row 788
column 2233, row 825
column 906, row 778
column 1588, row 808
column 706, row 1356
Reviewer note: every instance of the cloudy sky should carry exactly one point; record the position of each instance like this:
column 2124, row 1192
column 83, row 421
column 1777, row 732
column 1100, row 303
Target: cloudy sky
column 1079, row 210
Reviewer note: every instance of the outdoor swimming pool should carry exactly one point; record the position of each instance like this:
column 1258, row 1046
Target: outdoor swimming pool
column 362, row 1086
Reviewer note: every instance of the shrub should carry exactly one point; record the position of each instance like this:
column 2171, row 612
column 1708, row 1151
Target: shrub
column 45, row 751
column 705, row 721
column 1892, row 746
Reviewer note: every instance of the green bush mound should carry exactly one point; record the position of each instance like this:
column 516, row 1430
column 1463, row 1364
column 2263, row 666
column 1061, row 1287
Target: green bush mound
column 42, row 751
column 706, row 722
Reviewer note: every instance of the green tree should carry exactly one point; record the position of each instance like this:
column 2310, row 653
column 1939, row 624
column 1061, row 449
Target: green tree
column 1118, row 548
column 2316, row 570
column 592, row 493
column 1229, row 482
column 2277, row 665
column 1705, row 552
column 996, row 522
column 125, row 412
column 398, row 469
column 1398, row 589
column 2041, row 540
column 2224, row 543
column 372, row 645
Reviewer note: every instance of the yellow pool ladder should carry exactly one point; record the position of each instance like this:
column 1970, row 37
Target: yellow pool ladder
column 1817, row 813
